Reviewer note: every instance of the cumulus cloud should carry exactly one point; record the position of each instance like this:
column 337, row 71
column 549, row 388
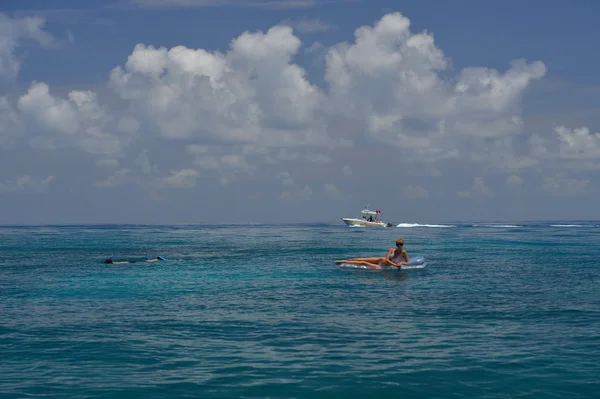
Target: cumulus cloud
column 108, row 163
column 12, row 32
column 143, row 162
column 578, row 143
column 121, row 176
column 182, row 178
column 252, row 104
column 302, row 193
column 577, row 148
column 26, row 184
column 308, row 25
column 78, row 121
column 286, row 155
column 251, row 94
column 515, row 180
column 317, row 158
column 291, row 190
column 415, row 192
column 226, row 164
column 332, row 192
column 563, row 185
column 478, row 188
column 10, row 123
column 391, row 84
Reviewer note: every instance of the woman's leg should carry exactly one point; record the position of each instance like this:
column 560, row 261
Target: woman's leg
column 386, row 263
column 369, row 260
column 360, row 262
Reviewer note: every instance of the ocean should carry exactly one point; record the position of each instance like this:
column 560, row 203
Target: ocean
column 262, row 311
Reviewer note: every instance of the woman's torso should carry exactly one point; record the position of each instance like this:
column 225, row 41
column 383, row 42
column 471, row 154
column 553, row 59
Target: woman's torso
column 397, row 256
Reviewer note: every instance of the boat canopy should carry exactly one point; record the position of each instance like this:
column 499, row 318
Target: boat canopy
column 368, row 212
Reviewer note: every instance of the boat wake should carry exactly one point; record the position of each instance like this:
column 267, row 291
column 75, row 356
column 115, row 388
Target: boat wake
column 502, row 226
column 573, row 225
column 408, row 225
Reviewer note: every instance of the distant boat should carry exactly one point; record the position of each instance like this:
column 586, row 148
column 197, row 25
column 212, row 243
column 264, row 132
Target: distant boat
column 368, row 219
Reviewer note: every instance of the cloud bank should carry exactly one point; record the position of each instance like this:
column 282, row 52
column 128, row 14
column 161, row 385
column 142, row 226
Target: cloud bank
column 234, row 114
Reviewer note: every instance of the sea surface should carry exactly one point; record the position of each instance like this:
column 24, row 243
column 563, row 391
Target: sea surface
column 262, row 311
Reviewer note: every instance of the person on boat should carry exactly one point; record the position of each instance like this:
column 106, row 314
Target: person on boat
column 112, row 262
column 398, row 254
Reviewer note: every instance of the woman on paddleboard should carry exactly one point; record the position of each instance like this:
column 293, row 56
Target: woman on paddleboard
column 399, row 258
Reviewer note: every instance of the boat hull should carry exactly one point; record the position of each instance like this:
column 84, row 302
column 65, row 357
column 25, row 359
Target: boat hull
column 362, row 223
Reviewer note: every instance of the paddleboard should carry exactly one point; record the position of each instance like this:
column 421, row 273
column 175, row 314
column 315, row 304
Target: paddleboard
column 416, row 262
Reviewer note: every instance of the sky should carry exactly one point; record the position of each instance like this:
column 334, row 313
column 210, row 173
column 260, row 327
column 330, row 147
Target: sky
column 269, row 111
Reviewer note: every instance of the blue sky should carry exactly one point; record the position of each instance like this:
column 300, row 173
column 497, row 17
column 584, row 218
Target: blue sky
column 422, row 112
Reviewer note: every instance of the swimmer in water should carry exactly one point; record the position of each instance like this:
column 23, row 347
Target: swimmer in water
column 400, row 257
column 156, row 259
column 112, row 262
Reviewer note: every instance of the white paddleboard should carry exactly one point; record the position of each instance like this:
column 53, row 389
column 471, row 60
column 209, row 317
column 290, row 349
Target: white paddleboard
column 416, row 262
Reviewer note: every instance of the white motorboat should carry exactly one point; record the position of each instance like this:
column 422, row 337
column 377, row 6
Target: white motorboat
column 368, row 219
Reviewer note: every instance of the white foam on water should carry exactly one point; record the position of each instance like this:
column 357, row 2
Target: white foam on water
column 503, row 226
column 571, row 225
column 408, row 225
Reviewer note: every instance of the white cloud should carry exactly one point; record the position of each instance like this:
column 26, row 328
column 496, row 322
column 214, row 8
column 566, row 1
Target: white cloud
column 415, row 192
column 12, row 32
column 253, row 105
column 306, row 25
column 575, row 148
column 182, row 178
column 291, row 189
column 563, row 185
column 578, row 143
column 317, row 158
column 331, row 191
column 514, row 180
column 226, row 164
column 121, row 176
column 79, row 121
column 108, row 163
column 10, row 123
column 143, row 162
column 478, row 188
column 26, row 184
column 251, row 94
column 302, row 193
column 286, row 155
column 286, row 179
column 391, row 84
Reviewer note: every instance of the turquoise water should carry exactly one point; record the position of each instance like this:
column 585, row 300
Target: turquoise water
column 263, row 312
